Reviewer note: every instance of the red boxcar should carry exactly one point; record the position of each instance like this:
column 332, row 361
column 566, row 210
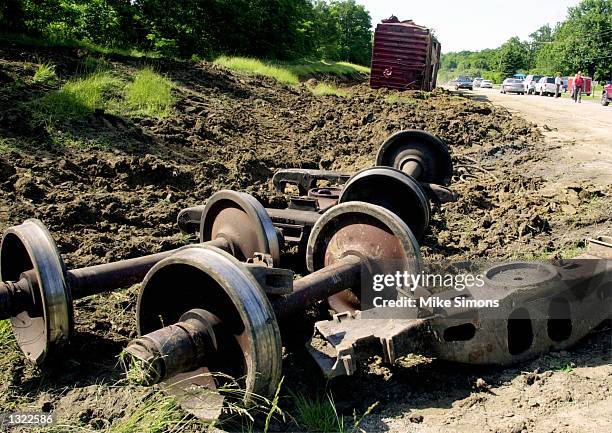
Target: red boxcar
column 588, row 84
column 404, row 56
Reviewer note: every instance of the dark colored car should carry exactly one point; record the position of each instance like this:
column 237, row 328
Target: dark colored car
column 463, row 83
column 606, row 94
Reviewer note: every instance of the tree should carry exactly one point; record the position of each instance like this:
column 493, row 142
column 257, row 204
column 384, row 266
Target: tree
column 355, row 37
column 539, row 40
column 514, row 56
column 584, row 40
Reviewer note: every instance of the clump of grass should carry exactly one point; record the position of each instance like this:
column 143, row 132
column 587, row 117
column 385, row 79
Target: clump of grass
column 559, row 366
column 396, row 99
column 321, row 415
column 77, row 98
column 257, row 67
column 307, row 68
column 91, row 65
column 324, row 89
column 45, row 73
column 136, row 372
column 150, row 94
column 159, row 413
column 9, row 355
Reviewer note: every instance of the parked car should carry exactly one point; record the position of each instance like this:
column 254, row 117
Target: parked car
column 463, row 83
column 519, row 76
column 486, row 84
column 513, row 85
column 477, row 82
column 606, row 94
column 546, row 86
column 530, row 82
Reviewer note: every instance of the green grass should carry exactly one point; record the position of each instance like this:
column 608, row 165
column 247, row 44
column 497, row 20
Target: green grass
column 323, row 89
column 77, row 98
column 309, row 68
column 45, row 73
column 9, row 355
column 22, row 39
column 158, row 414
column 257, row 67
column 290, row 72
column 562, row 367
column 396, row 99
column 321, row 415
column 150, row 94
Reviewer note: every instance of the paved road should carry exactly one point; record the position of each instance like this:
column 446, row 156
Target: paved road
column 579, row 135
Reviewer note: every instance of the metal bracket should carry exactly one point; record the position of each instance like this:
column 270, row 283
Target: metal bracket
column 273, row 281
column 439, row 194
column 189, row 219
column 306, row 179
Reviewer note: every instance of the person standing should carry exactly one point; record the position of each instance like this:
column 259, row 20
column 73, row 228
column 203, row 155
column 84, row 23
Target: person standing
column 578, row 86
column 558, row 83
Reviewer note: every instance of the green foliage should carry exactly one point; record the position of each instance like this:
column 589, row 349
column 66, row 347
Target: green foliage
column 150, row 94
column 582, row 42
column 513, row 57
column 9, row 356
column 279, row 29
column 317, row 415
column 44, row 73
column 342, row 29
column 77, row 98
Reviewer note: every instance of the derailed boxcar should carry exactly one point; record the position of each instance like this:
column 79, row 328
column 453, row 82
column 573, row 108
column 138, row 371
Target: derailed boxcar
column 404, row 56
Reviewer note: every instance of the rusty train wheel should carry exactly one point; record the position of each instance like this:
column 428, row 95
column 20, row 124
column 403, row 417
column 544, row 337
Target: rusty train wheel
column 48, row 320
column 394, row 190
column 209, row 279
column 241, row 219
column 368, row 231
column 409, row 145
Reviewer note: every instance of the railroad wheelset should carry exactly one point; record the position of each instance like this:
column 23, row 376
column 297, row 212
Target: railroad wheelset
column 223, row 324
column 37, row 291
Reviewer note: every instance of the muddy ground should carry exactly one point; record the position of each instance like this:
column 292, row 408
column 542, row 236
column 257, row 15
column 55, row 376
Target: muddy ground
column 109, row 187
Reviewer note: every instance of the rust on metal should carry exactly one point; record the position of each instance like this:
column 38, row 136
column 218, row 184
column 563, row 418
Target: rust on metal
column 404, row 56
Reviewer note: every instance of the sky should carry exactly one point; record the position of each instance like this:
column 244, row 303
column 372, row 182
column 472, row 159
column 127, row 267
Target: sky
column 473, row 24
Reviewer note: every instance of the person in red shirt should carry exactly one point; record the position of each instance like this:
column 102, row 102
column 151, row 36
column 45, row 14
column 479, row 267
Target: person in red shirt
column 578, row 86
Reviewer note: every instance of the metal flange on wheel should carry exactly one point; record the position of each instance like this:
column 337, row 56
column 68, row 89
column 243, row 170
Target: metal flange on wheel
column 393, row 190
column 43, row 317
column 419, row 154
column 245, row 342
column 36, row 291
column 218, row 321
column 242, row 220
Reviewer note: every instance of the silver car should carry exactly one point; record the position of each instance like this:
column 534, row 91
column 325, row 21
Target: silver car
column 513, row 85
column 486, row 84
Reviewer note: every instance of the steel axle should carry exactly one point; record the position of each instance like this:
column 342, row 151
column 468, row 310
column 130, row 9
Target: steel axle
column 37, row 291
